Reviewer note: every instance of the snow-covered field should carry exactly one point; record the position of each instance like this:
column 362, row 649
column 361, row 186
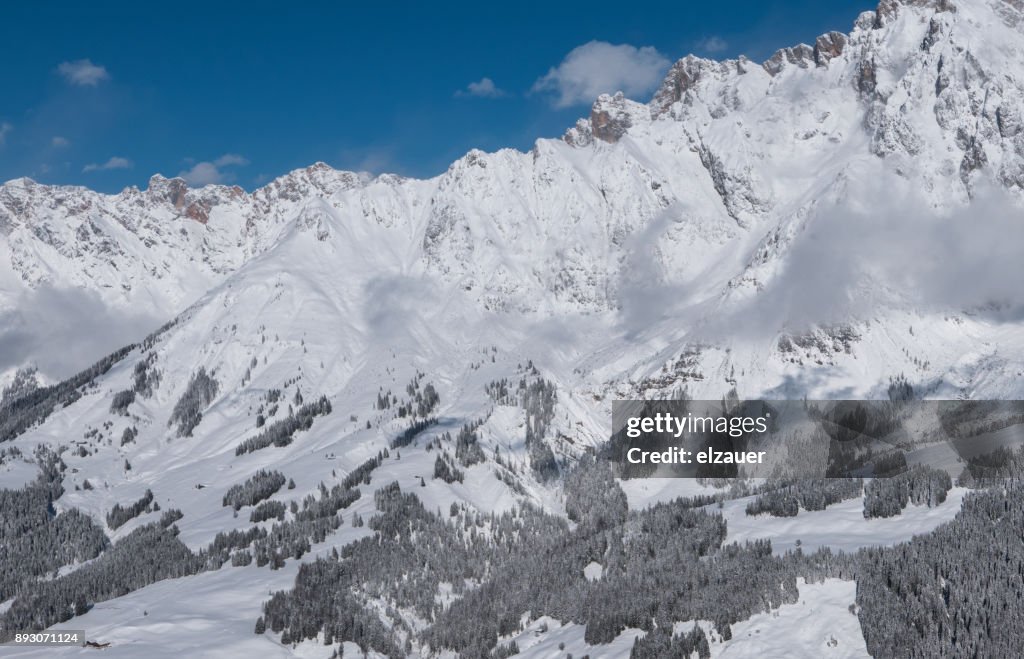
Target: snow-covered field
column 206, row 615
column 819, row 626
column 841, row 526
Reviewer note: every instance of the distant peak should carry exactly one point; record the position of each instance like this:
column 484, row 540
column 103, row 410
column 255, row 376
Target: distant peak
column 21, row 182
column 888, row 9
column 684, row 75
column 159, row 181
column 169, row 190
column 611, row 117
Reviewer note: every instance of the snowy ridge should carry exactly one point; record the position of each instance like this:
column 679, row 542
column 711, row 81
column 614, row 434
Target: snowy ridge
column 735, row 150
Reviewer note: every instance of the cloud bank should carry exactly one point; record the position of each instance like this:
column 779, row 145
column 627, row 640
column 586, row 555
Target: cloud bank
column 83, row 73
column 483, row 88
column 62, row 331
column 900, row 253
column 212, row 172
column 713, row 44
column 599, row 67
column 116, row 162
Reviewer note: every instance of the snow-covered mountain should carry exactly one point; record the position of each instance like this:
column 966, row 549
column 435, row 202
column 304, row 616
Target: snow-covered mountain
column 698, row 198
column 810, row 226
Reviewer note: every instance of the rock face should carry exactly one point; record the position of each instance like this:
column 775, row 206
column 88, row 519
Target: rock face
column 829, row 46
column 171, row 191
column 609, row 118
column 800, row 55
column 682, row 77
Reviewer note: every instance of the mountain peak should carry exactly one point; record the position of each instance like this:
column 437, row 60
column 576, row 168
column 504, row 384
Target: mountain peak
column 683, row 75
column 21, row 182
column 170, row 190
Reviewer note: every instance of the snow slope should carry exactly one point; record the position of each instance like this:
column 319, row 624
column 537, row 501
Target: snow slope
column 819, row 625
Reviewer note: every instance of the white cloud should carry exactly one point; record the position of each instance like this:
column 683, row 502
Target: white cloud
column 851, row 259
column 117, row 162
column 207, row 173
column 76, row 320
column 83, row 72
column 202, row 173
column 5, row 128
column 599, row 67
column 712, row 44
column 59, row 141
column 230, row 159
column 484, row 88
column 369, row 160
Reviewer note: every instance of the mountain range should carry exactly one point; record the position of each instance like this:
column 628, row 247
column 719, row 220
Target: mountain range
column 841, row 215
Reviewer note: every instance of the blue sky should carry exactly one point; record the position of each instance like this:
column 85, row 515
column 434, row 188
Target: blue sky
column 106, row 94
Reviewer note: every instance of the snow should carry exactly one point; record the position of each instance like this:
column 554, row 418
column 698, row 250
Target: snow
column 207, row 615
column 17, row 473
column 593, row 571
column 801, row 630
column 841, row 526
column 620, row 270
column 645, row 492
column 537, row 644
